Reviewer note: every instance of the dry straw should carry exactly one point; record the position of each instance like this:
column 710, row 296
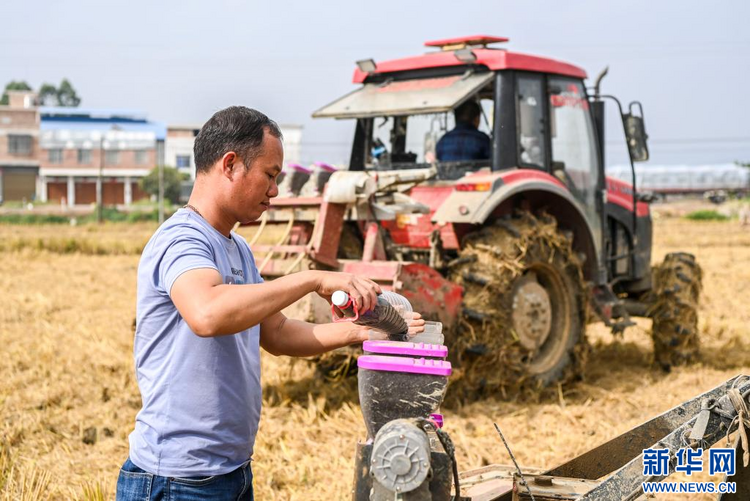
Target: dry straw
column 66, row 367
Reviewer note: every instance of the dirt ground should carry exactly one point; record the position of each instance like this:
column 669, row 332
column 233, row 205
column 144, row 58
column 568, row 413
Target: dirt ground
column 68, row 395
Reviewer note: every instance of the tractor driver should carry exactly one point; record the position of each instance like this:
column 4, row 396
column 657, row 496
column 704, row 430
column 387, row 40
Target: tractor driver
column 203, row 313
column 465, row 141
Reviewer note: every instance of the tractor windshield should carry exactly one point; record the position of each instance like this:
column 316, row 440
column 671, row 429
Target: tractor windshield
column 401, row 121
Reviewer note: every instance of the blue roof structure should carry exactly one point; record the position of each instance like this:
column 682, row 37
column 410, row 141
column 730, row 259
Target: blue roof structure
column 61, row 118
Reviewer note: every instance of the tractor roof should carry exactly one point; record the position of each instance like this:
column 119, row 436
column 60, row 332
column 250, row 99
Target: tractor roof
column 493, row 59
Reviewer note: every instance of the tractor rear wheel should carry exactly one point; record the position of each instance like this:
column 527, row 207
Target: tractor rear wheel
column 674, row 309
column 524, row 307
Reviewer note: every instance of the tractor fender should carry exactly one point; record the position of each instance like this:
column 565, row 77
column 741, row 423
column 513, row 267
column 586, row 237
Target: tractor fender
column 543, row 190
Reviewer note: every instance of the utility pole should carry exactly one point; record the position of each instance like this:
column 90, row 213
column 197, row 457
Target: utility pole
column 160, row 160
column 99, row 197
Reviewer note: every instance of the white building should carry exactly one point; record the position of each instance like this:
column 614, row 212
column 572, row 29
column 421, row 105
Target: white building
column 181, row 138
column 178, row 148
column 84, row 152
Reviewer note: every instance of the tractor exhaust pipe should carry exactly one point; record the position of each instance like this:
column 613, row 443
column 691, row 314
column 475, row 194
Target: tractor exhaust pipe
column 598, row 81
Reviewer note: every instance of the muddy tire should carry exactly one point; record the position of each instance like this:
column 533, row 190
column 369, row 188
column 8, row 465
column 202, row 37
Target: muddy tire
column 674, row 309
column 338, row 364
column 524, row 308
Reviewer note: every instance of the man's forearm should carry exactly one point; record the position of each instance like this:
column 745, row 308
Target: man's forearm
column 212, row 308
column 302, row 339
column 231, row 308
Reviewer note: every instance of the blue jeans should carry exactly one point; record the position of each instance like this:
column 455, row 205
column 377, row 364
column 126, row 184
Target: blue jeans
column 135, row 484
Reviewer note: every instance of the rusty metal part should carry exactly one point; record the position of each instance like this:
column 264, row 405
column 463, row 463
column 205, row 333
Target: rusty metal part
column 701, row 423
column 532, row 312
column 626, row 483
column 614, row 454
column 621, row 458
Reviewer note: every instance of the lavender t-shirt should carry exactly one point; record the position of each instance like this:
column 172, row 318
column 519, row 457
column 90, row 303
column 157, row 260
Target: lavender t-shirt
column 201, row 396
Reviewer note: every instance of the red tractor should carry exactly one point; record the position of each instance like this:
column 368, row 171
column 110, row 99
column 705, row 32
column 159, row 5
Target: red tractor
column 509, row 251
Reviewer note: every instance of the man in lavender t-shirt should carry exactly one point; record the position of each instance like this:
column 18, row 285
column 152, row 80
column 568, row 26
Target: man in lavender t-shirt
column 202, row 314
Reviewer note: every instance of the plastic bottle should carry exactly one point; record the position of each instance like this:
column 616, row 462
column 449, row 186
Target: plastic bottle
column 383, row 316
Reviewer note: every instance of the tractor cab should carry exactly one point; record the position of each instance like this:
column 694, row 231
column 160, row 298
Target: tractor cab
column 542, row 125
column 535, row 111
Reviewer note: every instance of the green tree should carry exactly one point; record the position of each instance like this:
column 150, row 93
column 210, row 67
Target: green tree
column 13, row 85
column 172, row 183
column 48, row 95
column 64, row 95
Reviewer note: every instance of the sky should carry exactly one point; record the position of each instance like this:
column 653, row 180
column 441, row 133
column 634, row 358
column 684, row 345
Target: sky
column 687, row 61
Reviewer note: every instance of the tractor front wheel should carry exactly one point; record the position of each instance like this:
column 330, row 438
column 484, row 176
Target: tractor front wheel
column 674, row 309
column 524, row 307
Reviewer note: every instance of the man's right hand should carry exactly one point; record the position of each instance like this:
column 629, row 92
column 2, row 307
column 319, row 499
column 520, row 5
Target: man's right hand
column 363, row 291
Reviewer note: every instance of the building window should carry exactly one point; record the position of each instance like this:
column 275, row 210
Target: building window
column 141, row 157
column 55, row 156
column 84, row 156
column 112, row 157
column 183, row 161
column 19, row 145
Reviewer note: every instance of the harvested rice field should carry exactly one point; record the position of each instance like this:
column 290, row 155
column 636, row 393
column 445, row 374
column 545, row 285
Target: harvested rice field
column 68, row 395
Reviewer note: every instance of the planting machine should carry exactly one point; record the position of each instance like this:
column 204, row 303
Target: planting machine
column 409, row 456
column 509, row 252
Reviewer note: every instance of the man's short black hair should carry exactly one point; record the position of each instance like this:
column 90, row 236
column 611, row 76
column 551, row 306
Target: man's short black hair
column 237, row 128
column 467, row 112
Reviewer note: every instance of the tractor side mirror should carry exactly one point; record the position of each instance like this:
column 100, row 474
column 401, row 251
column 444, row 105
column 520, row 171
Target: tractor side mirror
column 646, row 196
column 635, row 132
